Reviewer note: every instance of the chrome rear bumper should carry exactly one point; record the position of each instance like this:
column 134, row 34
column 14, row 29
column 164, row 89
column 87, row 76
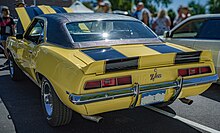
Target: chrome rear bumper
column 136, row 90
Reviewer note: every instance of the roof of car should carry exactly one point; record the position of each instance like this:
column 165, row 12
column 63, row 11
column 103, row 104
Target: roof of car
column 195, row 17
column 205, row 16
column 56, row 28
column 76, row 17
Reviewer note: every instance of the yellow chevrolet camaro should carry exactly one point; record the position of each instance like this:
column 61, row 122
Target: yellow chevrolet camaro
column 95, row 63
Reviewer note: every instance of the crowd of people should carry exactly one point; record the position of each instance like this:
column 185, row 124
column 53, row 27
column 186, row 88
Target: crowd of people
column 162, row 22
column 158, row 24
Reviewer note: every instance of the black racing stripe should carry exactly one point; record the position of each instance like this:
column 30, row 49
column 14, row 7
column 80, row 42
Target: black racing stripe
column 31, row 13
column 187, row 57
column 104, row 54
column 121, row 64
column 163, row 48
column 59, row 9
column 38, row 10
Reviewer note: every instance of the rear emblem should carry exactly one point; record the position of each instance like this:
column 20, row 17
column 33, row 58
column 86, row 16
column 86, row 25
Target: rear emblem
column 155, row 75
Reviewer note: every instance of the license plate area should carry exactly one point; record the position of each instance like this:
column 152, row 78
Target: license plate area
column 152, row 97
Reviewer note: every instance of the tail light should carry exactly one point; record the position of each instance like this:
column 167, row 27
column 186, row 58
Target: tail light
column 108, row 82
column 194, row 71
column 183, row 72
column 205, row 70
column 124, row 80
column 92, row 85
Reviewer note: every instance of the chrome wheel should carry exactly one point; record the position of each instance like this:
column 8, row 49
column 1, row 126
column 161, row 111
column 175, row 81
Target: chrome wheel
column 47, row 97
column 56, row 112
column 11, row 67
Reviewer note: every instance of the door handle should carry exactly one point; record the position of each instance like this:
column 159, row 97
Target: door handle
column 30, row 51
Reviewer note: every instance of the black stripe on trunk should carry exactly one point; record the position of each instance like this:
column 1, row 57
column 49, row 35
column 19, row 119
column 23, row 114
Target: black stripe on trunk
column 121, row 64
column 187, row 57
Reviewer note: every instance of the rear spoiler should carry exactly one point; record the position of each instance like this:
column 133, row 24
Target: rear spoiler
column 144, row 62
column 26, row 14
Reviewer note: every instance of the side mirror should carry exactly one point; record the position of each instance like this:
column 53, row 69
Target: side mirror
column 166, row 34
column 19, row 36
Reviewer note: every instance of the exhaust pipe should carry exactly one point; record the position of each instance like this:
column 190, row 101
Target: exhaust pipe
column 93, row 118
column 186, row 101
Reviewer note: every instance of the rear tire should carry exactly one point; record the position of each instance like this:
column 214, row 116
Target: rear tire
column 57, row 114
column 15, row 72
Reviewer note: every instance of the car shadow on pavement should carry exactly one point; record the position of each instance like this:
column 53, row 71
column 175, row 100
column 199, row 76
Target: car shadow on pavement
column 22, row 99
column 213, row 92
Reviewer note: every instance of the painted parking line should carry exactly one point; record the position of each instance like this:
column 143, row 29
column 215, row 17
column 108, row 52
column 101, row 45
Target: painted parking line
column 189, row 122
column 1, row 47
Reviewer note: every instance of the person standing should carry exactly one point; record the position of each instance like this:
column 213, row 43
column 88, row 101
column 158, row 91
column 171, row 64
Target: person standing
column 7, row 29
column 162, row 23
column 20, row 3
column 142, row 13
column 19, row 27
column 98, row 8
column 106, row 5
column 183, row 13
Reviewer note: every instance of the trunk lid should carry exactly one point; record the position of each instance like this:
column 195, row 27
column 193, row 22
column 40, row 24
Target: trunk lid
column 139, row 56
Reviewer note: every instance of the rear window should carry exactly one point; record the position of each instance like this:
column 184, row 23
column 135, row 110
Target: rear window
column 108, row 30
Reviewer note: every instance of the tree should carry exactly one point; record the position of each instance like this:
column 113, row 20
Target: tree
column 150, row 4
column 124, row 5
column 196, row 8
column 164, row 3
column 214, row 6
column 152, row 8
column 172, row 16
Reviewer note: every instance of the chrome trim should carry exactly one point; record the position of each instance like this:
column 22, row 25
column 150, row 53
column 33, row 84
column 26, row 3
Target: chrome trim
column 136, row 95
column 178, row 89
column 102, row 96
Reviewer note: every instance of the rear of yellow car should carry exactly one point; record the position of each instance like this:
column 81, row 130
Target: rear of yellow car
column 126, row 76
column 92, row 78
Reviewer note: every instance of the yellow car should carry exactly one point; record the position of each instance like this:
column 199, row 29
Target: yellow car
column 95, row 63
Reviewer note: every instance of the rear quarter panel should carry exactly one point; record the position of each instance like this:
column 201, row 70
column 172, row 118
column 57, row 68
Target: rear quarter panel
column 60, row 69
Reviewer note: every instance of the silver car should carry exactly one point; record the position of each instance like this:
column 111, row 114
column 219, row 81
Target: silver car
column 200, row 32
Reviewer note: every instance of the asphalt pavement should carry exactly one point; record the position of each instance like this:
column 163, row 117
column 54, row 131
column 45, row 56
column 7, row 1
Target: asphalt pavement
column 20, row 101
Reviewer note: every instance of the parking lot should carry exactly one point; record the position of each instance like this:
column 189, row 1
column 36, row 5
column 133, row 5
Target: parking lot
column 23, row 110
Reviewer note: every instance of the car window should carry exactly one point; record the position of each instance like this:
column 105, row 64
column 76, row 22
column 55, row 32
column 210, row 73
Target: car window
column 108, row 30
column 210, row 30
column 36, row 32
column 189, row 29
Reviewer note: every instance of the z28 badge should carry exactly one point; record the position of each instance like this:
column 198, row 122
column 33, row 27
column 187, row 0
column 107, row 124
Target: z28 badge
column 155, row 75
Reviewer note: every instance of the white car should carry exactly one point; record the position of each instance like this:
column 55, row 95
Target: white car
column 200, row 32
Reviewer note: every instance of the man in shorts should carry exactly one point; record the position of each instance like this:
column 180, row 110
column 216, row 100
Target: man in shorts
column 7, row 29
